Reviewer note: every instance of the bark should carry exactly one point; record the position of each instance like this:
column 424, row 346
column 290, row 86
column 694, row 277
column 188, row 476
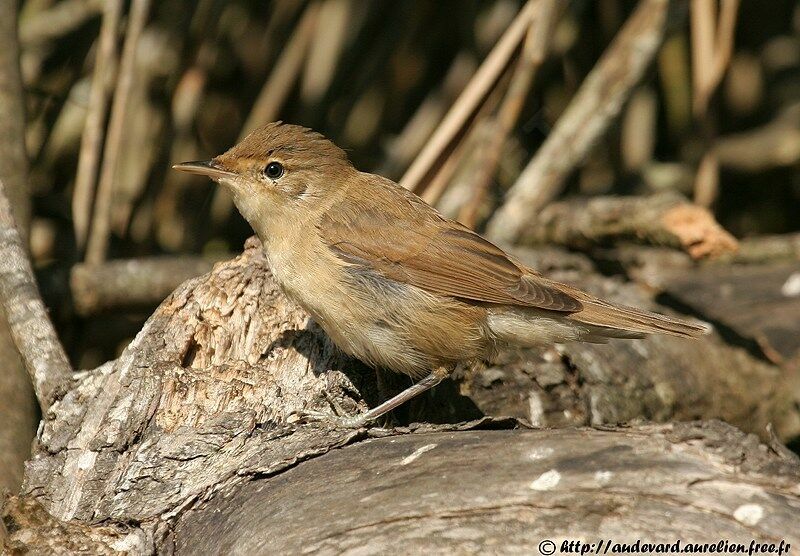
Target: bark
column 163, row 448
column 33, row 333
column 665, row 219
column 430, row 493
column 18, row 411
column 201, row 397
column 612, row 485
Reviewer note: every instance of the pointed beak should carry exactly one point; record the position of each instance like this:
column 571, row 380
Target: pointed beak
column 204, row 168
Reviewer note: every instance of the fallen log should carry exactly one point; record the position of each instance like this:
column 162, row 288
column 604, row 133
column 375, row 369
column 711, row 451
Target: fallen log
column 141, row 452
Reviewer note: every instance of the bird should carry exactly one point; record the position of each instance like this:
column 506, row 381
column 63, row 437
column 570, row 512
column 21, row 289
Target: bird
column 392, row 281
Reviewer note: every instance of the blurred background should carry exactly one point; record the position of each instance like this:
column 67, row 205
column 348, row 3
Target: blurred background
column 115, row 92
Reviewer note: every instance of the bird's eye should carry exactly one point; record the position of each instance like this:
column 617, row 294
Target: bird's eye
column 274, row 170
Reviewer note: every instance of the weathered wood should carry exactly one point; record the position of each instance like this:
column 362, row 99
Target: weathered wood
column 29, row 529
column 760, row 302
column 26, row 314
column 202, row 395
column 130, row 283
column 17, row 403
column 202, row 402
column 664, row 219
column 756, row 300
column 506, row 491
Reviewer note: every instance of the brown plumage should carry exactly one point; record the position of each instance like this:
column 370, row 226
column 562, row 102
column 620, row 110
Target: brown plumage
column 391, row 280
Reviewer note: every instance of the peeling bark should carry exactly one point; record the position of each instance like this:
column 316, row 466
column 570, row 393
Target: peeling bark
column 188, row 440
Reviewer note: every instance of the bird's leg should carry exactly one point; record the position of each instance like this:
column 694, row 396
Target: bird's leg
column 360, row 420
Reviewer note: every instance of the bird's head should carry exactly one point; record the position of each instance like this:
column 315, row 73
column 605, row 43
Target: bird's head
column 279, row 173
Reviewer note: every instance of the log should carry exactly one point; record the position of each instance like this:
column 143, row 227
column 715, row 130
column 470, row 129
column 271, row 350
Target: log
column 507, row 492
column 200, row 408
column 753, row 298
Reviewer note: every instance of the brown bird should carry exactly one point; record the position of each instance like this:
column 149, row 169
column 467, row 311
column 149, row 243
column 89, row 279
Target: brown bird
column 390, row 280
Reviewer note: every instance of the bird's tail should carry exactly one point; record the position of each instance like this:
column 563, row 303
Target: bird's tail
column 619, row 321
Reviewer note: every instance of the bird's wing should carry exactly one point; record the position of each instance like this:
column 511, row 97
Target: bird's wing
column 405, row 240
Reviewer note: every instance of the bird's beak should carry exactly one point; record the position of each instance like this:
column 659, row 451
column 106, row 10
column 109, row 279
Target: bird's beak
column 204, row 168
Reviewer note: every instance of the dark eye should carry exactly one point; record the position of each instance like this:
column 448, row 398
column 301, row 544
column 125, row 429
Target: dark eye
column 274, row 170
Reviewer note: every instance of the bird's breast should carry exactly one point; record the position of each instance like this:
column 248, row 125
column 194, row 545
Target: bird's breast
column 380, row 321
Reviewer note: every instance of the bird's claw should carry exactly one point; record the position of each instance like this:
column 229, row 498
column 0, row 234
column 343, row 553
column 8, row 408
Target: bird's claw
column 337, row 421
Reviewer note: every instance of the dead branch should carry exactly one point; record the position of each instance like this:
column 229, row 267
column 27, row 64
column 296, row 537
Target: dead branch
column 93, row 131
column 97, row 245
column 18, row 412
column 130, row 283
column 13, row 158
column 774, row 145
column 431, row 493
column 594, row 107
column 33, row 333
column 201, row 401
column 537, row 41
column 461, row 114
column 665, row 219
column 759, row 249
column 712, row 45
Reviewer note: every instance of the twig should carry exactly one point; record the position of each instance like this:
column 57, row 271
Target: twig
column 463, row 155
column 702, row 28
column 712, row 45
column 596, row 105
column 33, row 333
column 533, row 55
column 101, row 223
column 92, row 138
column 130, row 283
column 441, row 143
column 726, row 29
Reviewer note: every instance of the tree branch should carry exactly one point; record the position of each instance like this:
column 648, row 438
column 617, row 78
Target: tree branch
column 18, row 412
column 666, row 219
column 33, row 333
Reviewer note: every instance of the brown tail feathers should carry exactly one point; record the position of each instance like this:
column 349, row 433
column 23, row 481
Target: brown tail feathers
column 622, row 321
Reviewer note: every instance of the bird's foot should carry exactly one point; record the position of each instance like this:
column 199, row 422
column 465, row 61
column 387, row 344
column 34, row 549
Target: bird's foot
column 337, row 421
